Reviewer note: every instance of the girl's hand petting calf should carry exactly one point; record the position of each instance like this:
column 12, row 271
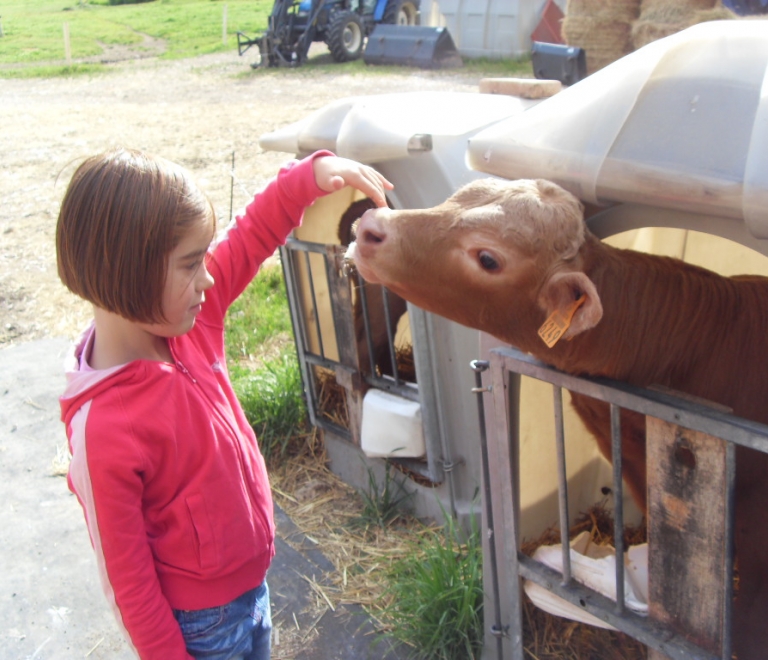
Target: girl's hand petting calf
column 332, row 173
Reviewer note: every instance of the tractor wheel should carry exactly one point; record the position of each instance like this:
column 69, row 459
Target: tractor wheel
column 345, row 36
column 401, row 12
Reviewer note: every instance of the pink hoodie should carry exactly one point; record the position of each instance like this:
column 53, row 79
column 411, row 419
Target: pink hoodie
column 167, row 469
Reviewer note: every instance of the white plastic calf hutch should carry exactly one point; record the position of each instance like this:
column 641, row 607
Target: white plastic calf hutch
column 421, row 148
column 673, row 136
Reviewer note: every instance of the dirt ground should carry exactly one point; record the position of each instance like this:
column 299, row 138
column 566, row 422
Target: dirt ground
column 198, row 112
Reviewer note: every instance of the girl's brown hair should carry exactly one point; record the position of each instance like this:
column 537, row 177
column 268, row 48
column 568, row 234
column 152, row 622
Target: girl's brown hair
column 122, row 214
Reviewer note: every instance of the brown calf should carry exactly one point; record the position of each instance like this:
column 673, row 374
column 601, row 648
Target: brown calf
column 503, row 257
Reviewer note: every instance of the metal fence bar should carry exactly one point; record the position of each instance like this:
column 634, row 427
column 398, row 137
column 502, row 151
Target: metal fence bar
column 618, row 509
column 730, row 506
column 562, row 484
column 644, row 630
column 305, row 246
column 497, row 630
column 367, row 324
column 299, row 330
column 663, row 405
column 390, row 336
column 320, row 361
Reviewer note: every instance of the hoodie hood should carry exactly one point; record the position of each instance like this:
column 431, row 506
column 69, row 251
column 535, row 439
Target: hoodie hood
column 84, row 384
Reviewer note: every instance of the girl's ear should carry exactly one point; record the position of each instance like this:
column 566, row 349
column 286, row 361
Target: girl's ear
column 573, row 297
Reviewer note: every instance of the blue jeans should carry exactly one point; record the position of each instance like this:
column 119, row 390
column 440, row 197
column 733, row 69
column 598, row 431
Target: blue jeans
column 239, row 630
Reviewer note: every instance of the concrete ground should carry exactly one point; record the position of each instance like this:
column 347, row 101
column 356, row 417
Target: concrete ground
column 51, row 604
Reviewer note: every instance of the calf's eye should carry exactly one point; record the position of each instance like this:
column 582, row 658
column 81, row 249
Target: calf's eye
column 487, row 261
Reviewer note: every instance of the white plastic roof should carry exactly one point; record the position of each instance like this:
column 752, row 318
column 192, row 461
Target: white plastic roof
column 381, row 127
column 680, row 124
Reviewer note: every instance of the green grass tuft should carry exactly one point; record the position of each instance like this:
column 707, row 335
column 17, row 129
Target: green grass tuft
column 436, row 596
column 383, row 504
column 52, row 71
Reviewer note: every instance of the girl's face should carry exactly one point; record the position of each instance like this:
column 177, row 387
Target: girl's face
column 186, row 281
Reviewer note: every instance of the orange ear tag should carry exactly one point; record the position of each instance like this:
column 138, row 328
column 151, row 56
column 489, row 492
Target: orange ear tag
column 558, row 322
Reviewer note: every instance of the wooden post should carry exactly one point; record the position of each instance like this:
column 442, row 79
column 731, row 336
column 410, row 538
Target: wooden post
column 686, row 532
column 224, row 26
column 67, row 50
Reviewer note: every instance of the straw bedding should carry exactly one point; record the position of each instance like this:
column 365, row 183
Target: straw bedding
column 556, row 638
column 326, row 511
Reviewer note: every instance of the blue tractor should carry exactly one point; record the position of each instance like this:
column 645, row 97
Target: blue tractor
column 342, row 24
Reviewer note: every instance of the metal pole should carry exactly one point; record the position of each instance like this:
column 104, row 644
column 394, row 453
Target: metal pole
column 390, row 334
column 730, row 506
column 562, row 490
column 618, row 505
column 478, row 366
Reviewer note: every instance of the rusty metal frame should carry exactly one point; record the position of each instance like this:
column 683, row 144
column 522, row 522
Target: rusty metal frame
column 501, row 443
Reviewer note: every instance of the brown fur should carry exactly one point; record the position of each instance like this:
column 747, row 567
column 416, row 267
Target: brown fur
column 646, row 320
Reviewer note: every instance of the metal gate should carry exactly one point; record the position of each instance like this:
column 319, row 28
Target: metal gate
column 665, row 631
column 334, row 350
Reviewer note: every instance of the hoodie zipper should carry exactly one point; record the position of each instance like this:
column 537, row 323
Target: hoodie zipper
column 180, row 366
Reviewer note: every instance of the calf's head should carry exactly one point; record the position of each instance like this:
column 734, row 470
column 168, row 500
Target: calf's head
column 500, row 256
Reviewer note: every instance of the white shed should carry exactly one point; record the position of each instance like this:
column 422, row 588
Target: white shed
column 487, row 28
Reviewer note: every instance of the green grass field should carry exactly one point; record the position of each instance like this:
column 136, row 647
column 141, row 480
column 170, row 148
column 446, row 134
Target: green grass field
column 33, row 30
column 33, row 43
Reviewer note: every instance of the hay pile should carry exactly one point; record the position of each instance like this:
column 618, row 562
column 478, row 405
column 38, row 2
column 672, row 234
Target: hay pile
column 661, row 18
column 609, row 29
column 603, row 28
column 332, row 398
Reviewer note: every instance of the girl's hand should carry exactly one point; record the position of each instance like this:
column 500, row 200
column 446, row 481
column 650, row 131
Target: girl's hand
column 333, row 173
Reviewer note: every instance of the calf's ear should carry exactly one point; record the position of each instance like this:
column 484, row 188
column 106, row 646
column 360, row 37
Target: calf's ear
column 572, row 295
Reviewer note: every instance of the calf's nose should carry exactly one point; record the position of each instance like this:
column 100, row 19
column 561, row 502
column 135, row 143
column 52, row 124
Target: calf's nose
column 370, row 231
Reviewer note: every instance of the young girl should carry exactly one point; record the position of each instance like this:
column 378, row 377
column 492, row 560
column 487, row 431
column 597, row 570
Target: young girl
column 164, row 463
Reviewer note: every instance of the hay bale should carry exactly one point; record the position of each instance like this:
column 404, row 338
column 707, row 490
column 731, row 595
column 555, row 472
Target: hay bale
column 623, row 11
column 603, row 41
column 662, row 18
column 686, row 6
column 602, row 28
